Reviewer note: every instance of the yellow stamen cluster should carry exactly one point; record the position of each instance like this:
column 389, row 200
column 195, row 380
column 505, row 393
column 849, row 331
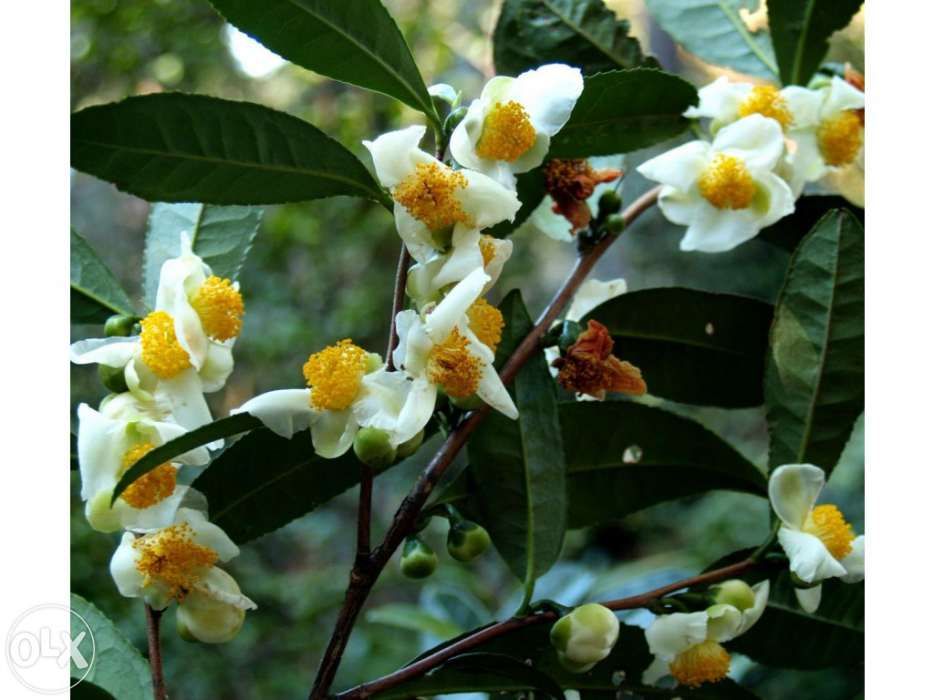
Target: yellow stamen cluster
column 707, row 662
column 162, row 352
column 767, row 101
column 453, row 367
column 726, row 183
column 151, row 488
column 430, row 195
column 220, row 307
column 171, row 559
column 507, row 132
column 828, row 524
column 486, row 321
column 334, row 375
column 840, row 138
column 487, row 248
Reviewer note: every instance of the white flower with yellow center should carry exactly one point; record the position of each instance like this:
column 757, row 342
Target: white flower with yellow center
column 509, row 128
column 112, row 440
column 819, row 542
column 688, row 646
column 724, row 102
column 453, row 345
column 725, row 192
column 349, row 388
column 432, row 200
column 177, row 563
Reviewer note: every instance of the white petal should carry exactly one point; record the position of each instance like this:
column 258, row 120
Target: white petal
column 809, row 598
column 658, row 669
column 178, row 278
column 502, row 251
column 208, row 619
column 111, row 352
column 680, row 206
column 396, row 154
column 724, row 622
column 123, row 568
column 756, row 140
column 466, row 134
column 804, row 105
column 544, row 219
column 492, row 391
column 679, row 167
column 548, row 94
column 217, row 366
column 751, row 615
column 183, row 393
column 486, row 201
column 421, row 283
column 441, row 320
column 841, row 97
column 409, row 352
column 207, row 534
column 102, row 443
column 415, row 235
column 465, row 257
column 855, row 562
column 333, row 432
column 778, row 194
column 284, row 411
column 591, row 294
column 808, row 558
column 159, row 515
column 717, row 230
column 669, row 635
column 793, row 491
column 720, row 100
column 392, row 402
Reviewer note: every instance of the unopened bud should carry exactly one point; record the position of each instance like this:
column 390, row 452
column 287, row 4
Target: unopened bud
column 418, row 559
column 410, row 446
column 113, row 378
column 615, row 223
column 454, row 118
column 444, row 97
column 373, row 448
column 119, row 325
column 734, row 592
column 584, row 637
column 212, row 619
column 609, row 203
column 467, row 540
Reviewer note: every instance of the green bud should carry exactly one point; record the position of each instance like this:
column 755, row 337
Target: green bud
column 183, row 630
column 584, row 637
column 418, row 559
column 113, row 378
column 454, row 118
column 119, row 325
column 410, row 446
column 467, row 540
column 373, row 448
column 734, row 592
column 373, row 362
column 444, row 97
column 609, row 203
column 570, row 330
column 615, row 223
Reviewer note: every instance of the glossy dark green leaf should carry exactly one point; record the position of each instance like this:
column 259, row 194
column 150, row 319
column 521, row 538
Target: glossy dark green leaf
column 518, row 465
column 624, row 110
column 787, row 232
column 173, row 147
column 117, row 667
column 814, row 378
column 623, row 457
column 800, row 33
column 714, row 31
column 582, row 33
column 96, row 295
column 530, row 188
column 354, row 41
column 206, row 434
column 692, row 346
column 221, row 236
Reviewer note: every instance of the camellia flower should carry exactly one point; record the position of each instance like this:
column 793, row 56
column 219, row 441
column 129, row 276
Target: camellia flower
column 688, row 645
column 110, row 441
column 589, row 366
column 453, row 345
column 509, row 129
column 725, row 192
column 725, row 102
column 432, row 200
column 177, row 563
column 819, row 542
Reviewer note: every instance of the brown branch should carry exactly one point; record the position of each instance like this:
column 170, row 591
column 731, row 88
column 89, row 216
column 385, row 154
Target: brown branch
column 362, row 581
column 485, row 634
column 398, row 297
column 155, row 653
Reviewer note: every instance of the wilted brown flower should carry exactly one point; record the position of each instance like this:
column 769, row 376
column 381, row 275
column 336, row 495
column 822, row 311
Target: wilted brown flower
column 570, row 183
column 589, row 366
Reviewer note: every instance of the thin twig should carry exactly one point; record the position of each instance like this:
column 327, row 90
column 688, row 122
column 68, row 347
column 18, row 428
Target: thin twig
column 155, row 652
column 398, row 298
column 364, row 512
column 362, row 581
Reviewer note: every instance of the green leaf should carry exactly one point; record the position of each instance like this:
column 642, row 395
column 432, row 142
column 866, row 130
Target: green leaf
column 787, row 232
column 219, row 429
column 96, row 295
column 624, row 110
column 816, row 360
column 518, row 465
column 787, row 637
column 582, row 33
column 412, row 617
column 713, row 30
column 530, row 189
column 692, row 346
column 221, row 236
column 173, row 147
column 118, row 668
column 354, row 41
column 623, row 457
column 800, row 32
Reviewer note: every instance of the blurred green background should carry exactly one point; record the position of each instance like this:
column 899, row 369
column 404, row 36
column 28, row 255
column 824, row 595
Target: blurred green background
column 321, row 271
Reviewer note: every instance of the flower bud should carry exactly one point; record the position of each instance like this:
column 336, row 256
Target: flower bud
column 454, row 118
column 113, row 378
column 410, row 446
column 418, row 559
column 211, row 617
column 373, row 448
column 609, row 203
column 734, row 592
column 119, row 324
column 615, row 223
column 585, row 637
column 444, row 97
column 467, row 540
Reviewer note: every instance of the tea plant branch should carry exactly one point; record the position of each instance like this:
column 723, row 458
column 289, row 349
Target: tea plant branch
column 490, row 632
column 153, row 618
column 366, row 571
column 398, row 299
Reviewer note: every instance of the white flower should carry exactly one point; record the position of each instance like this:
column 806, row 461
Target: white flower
column 112, row 440
column 453, row 345
column 819, row 543
column 724, row 192
column 509, row 129
column 178, row 563
column 687, row 645
column 725, row 102
column 432, row 199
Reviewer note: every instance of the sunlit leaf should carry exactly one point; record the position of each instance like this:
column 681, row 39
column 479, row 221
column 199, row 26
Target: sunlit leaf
column 96, row 295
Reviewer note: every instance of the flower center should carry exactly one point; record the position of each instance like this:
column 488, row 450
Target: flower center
column 430, row 195
column 151, row 488
column 726, row 183
column 172, row 559
column 453, row 367
column 486, row 321
column 487, row 249
column 162, row 352
column 707, row 662
column 334, row 375
column 840, row 138
column 767, row 101
column 220, row 307
column 507, row 132
column 828, row 524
